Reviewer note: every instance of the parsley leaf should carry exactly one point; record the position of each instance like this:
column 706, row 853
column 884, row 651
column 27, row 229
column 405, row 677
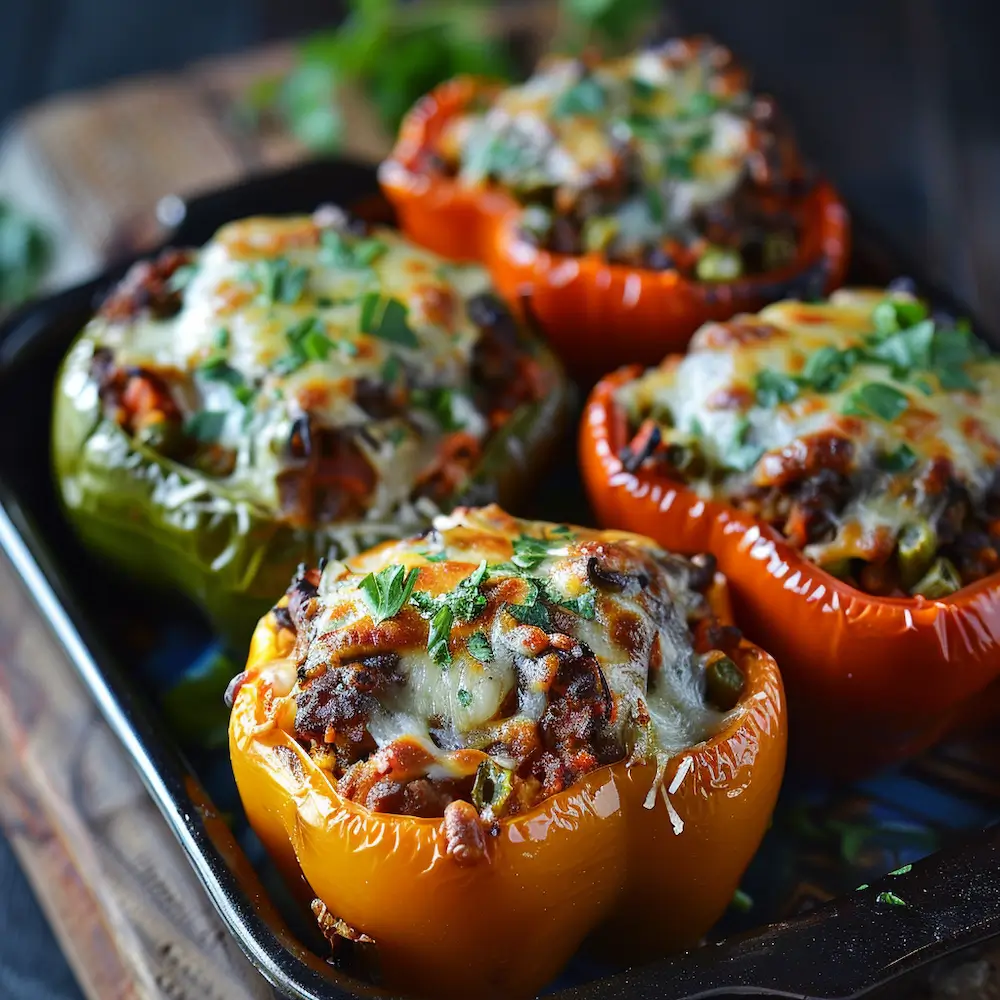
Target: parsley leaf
column 465, row 600
column 206, row 425
column 741, row 456
column 388, row 590
column 386, row 318
column 826, row 369
column 956, row 379
column 439, row 403
column 464, row 698
column 531, row 614
column 279, row 280
column 890, row 898
column 585, row 97
column 772, row 388
column 181, row 278
column 308, row 341
column 908, row 349
column 220, row 338
column 338, row 252
column 876, row 399
column 480, row 648
column 583, row 605
column 899, row 460
column 438, row 636
column 529, row 552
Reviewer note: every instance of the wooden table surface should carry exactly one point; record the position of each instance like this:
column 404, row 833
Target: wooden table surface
column 123, row 901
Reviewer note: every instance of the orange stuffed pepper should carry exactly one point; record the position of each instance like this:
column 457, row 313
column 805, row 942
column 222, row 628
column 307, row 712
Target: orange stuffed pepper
column 509, row 724
column 623, row 202
column 840, row 459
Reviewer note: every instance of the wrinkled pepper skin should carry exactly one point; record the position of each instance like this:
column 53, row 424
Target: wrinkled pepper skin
column 169, row 525
column 870, row 680
column 596, row 315
column 590, row 859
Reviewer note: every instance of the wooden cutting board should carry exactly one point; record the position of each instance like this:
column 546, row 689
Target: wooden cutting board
column 123, row 901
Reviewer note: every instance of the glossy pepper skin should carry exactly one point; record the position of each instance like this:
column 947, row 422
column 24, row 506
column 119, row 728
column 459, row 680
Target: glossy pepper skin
column 590, row 859
column 131, row 504
column 870, row 680
column 579, row 301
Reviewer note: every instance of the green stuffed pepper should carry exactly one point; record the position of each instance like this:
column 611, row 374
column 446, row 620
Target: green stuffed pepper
column 298, row 387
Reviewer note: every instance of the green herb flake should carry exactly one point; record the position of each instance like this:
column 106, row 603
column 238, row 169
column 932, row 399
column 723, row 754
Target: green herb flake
column 435, row 557
column 529, row 552
column 480, row 648
column 279, row 280
column 439, row 634
column 386, row 318
column 898, row 460
column 902, row 871
column 906, row 350
column 386, row 591
column 741, row 456
column 890, row 898
column 742, row 901
column 220, row 339
column 826, row 369
column 772, row 388
column 338, row 252
column 862, row 887
column 439, row 403
column 206, row 425
column 391, row 370
column 464, row 698
column 876, row 399
column 531, row 614
column 956, row 380
column 586, row 97
column 181, row 278
column 584, row 606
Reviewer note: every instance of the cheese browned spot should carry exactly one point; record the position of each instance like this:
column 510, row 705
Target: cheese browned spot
column 496, row 661
column 663, row 158
column 328, row 375
column 865, row 430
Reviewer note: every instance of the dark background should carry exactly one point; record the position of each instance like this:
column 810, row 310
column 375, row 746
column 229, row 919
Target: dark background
column 896, row 99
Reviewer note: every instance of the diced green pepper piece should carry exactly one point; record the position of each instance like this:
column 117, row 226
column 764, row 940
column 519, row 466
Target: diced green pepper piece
column 940, row 580
column 492, row 787
column 719, row 264
column 915, row 550
column 723, row 683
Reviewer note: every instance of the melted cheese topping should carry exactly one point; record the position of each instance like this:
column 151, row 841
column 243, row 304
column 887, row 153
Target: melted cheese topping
column 756, row 397
column 681, row 109
column 499, row 666
column 287, row 319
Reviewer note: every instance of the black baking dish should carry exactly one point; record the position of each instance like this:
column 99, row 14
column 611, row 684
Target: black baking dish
column 834, row 949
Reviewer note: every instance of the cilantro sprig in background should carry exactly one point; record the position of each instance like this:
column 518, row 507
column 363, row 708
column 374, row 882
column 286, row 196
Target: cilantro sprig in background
column 395, row 51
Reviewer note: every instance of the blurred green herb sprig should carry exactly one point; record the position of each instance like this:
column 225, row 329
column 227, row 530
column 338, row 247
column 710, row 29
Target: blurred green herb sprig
column 395, row 51
column 25, row 253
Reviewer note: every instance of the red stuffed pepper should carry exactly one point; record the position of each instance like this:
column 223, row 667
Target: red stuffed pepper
column 840, row 459
column 629, row 200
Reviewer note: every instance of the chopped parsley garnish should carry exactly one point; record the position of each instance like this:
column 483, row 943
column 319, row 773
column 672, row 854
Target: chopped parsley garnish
column 435, row 557
column 585, row 97
column 642, row 90
column 308, row 341
column 388, row 590
column 772, row 388
column 439, row 403
column 583, row 605
column 890, row 898
column 902, row 871
column 206, row 425
column 220, row 338
column 535, row 613
column 391, row 370
column 529, row 552
column 217, row 369
column 906, row 350
column 826, row 369
column 279, row 280
column 181, row 278
column 741, row 455
column 898, row 460
column 464, row 698
column 463, row 602
column 876, row 399
column 338, row 252
column 480, row 648
column 439, row 634
column 386, row 318
column 701, row 104
column 742, row 901
column 954, row 379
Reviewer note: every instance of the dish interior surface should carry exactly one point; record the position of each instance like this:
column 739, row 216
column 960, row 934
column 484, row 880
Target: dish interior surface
column 823, row 842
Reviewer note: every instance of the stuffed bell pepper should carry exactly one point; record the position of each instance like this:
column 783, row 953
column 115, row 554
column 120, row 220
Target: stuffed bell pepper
column 642, row 195
column 514, row 728
column 297, row 384
column 841, row 460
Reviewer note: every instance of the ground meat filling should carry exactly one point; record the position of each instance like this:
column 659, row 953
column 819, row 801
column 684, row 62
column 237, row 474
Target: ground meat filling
column 336, row 700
